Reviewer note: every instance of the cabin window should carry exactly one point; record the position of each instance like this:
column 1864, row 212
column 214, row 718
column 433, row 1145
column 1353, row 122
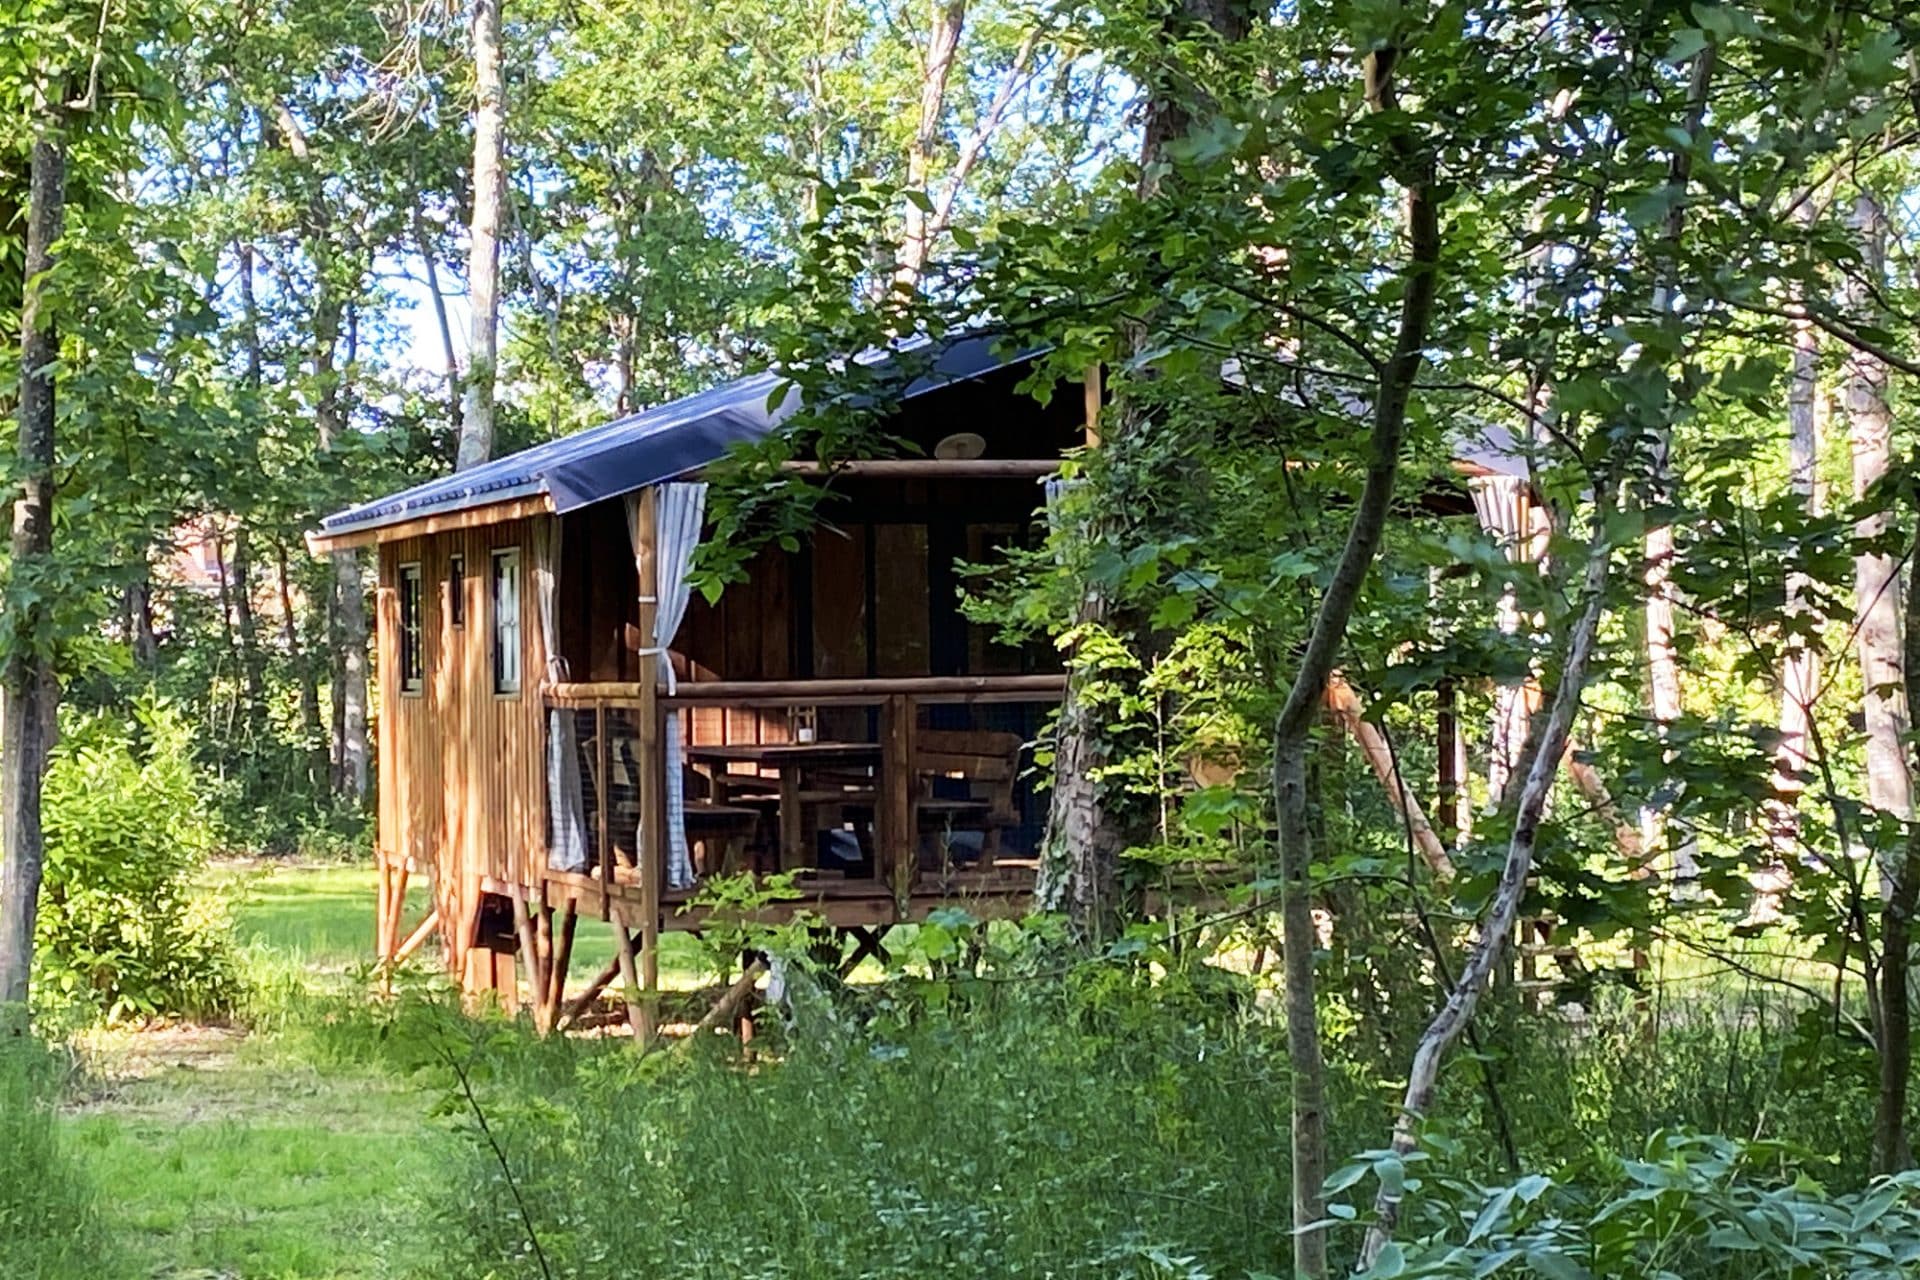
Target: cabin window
column 506, row 620
column 457, row 590
column 413, row 666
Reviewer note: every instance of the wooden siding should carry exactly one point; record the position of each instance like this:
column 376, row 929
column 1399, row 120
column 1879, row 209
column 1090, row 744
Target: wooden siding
column 462, row 780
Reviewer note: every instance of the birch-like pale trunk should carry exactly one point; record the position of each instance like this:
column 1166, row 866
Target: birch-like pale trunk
column 483, row 248
column 1800, row 668
column 1496, row 926
column 1663, row 662
column 946, row 21
column 29, row 688
column 1876, row 582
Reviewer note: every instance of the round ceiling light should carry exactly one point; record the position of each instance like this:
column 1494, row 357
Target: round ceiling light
column 961, row 446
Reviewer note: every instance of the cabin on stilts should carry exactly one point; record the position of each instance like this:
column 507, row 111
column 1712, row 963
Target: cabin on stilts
column 567, row 730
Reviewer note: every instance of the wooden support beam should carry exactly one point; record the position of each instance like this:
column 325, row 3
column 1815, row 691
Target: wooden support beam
column 415, row 940
column 651, row 839
column 529, row 949
column 900, row 839
column 630, row 994
column 562, row 960
column 584, row 1001
column 1345, row 705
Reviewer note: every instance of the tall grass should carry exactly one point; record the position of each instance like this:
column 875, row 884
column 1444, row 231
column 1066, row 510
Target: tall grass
column 48, row 1229
column 1047, row 1130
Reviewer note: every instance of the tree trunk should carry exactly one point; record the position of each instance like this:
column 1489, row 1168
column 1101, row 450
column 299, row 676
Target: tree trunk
column 1876, row 582
column 1496, row 929
column 946, row 20
column 1800, row 669
column 346, row 604
column 29, row 692
column 1294, row 725
column 1900, row 875
column 314, row 732
column 483, row 261
column 247, row 628
column 140, row 634
column 1085, row 833
column 431, row 264
column 350, row 621
column 1663, row 663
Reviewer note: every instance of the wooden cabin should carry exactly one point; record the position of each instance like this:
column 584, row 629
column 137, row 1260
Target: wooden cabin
column 565, row 730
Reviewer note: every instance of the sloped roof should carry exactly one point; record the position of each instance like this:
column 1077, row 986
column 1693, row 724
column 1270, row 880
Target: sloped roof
column 671, row 439
column 653, row 445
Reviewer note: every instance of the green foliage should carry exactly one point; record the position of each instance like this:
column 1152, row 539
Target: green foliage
column 1694, row 1206
column 47, row 1207
column 991, row 1129
column 125, row 932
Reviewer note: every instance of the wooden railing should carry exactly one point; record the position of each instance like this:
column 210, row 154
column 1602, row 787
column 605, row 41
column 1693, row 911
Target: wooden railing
column 644, row 708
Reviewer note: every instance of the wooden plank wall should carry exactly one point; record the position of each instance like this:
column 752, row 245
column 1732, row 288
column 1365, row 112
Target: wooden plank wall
column 462, row 779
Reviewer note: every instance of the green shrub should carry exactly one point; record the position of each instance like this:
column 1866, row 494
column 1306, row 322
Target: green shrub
column 1692, row 1205
column 125, row 930
column 47, row 1226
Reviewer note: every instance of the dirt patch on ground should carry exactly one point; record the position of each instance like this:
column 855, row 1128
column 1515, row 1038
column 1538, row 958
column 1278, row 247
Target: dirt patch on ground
column 119, row 1069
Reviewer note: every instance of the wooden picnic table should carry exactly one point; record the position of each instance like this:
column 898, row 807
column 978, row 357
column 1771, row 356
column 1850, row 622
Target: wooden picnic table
column 791, row 760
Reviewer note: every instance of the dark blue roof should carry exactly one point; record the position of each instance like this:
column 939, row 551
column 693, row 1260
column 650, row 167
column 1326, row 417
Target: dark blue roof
column 655, row 444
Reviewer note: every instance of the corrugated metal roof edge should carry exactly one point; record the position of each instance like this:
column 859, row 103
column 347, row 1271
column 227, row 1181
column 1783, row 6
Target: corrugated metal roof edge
column 444, row 495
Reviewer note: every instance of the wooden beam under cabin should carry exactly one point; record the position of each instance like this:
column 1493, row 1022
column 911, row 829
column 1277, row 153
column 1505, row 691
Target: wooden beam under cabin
column 320, row 543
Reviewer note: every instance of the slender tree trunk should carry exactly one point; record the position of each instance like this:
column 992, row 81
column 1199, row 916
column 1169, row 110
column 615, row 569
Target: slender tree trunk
column 140, row 634
column 346, row 611
column 1900, row 874
column 1876, row 582
column 1294, row 725
column 430, row 262
column 29, row 691
column 483, row 261
column 1086, row 831
column 1800, row 669
column 1663, row 662
column 946, row 20
column 247, row 631
column 1496, row 928
column 314, row 732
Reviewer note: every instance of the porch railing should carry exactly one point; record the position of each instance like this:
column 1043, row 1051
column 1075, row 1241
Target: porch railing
column 619, row 733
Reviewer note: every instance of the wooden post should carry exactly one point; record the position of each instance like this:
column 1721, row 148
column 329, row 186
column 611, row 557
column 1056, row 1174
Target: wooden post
column 562, row 960
column 1093, row 397
column 637, row 1015
column 653, row 764
column 602, row 761
column 1446, row 726
column 899, row 825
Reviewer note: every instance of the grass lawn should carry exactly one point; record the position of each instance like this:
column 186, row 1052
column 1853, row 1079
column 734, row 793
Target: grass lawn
column 226, row 1154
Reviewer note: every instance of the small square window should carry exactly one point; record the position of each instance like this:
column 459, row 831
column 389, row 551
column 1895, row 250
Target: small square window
column 506, row 620
column 413, row 665
column 457, row 590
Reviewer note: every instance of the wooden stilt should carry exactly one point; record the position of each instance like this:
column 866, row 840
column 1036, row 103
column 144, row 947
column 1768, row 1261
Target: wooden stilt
column 1345, row 704
column 415, row 940
column 584, row 1001
column 529, row 949
column 562, row 953
column 630, row 993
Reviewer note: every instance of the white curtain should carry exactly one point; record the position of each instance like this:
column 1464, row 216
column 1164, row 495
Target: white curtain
column 678, row 510
column 566, row 807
